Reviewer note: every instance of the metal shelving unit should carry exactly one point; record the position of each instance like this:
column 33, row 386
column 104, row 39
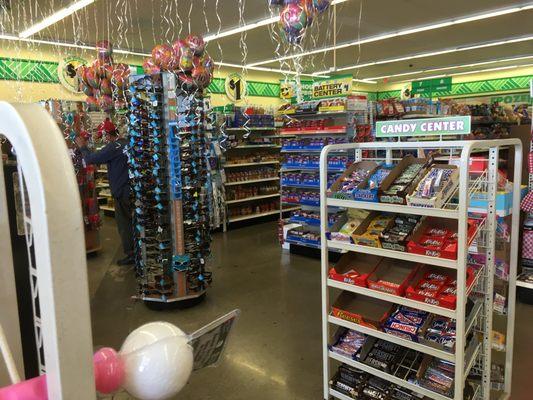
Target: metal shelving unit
column 346, row 120
column 246, row 145
column 476, row 355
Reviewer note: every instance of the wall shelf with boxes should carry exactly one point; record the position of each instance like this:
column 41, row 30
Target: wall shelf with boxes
column 307, row 128
column 251, row 166
column 409, row 309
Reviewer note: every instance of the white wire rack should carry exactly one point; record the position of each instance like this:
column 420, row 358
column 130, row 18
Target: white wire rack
column 467, row 357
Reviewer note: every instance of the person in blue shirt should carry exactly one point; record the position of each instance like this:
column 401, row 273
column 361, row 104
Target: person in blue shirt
column 114, row 154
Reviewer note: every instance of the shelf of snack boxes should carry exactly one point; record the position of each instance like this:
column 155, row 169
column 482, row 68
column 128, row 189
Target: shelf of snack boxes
column 412, row 207
column 324, row 132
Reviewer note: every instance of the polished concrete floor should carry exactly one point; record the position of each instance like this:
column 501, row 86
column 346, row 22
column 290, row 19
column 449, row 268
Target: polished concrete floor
column 274, row 352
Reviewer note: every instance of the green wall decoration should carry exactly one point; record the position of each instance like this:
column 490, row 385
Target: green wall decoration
column 13, row 69
column 260, row 89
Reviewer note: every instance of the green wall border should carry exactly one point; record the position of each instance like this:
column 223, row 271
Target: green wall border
column 16, row 69
column 475, row 87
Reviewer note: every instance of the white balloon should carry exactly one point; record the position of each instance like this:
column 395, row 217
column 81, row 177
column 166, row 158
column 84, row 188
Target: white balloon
column 158, row 361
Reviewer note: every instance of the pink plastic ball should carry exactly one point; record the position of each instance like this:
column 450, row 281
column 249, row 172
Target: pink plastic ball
column 108, row 370
column 196, row 44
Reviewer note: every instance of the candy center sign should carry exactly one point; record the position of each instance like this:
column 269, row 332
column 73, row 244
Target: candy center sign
column 458, row 125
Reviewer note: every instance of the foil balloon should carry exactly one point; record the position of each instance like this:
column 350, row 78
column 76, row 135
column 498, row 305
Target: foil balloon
column 196, row 44
column 178, row 47
column 209, row 64
column 293, row 20
column 87, row 90
column 186, row 59
column 321, row 5
column 107, row 71
column 92, row 101
column 310, row 11
column 105, row 87
column 93, row 77
column 201, row 77
column 105, row 51
column 158, row 361
column 149, row 67
column 162, row 55
column 105, row 102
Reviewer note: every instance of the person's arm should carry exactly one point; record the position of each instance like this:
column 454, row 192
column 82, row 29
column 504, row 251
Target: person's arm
column 102, row 156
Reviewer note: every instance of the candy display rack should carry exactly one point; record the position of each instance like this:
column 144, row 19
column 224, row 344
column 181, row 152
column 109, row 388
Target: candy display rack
column 472, row 353
column 168, row 167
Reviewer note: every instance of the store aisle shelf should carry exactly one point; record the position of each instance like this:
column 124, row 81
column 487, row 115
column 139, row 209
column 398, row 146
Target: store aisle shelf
column 394, row 339
column 394, row 208
column 251, row 164
column 107, row 208
column 339, row 395
column 399, row 255
column 251, row 181
column 446, row 312
column 266, row 196
column 258, row 128
column 257, row 146
column 527, row 285
column 252, row 216
column 391, row 378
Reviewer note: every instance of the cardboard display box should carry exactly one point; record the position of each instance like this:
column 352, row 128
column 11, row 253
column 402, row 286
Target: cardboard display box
column 361, row 238
column 366, row 311
column 442, row 196
column 447, row 251
column 446, row 301
column 354, row 268
column 334, row 190
column 392, row 276
column 400, row 197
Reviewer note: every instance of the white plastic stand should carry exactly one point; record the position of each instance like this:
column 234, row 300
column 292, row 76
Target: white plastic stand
column 57, row 230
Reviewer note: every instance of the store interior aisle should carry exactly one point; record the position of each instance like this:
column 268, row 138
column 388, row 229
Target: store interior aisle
column 275, row 350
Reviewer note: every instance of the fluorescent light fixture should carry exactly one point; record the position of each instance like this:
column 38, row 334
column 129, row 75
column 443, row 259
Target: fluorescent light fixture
column 404, row 32
column 265, row 69
column 363, row 81
column 432, row 53
column 55, row 17
column 425, row 71
column 248, row 27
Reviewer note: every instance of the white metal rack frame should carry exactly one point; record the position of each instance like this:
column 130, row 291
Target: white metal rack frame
column 481, row 317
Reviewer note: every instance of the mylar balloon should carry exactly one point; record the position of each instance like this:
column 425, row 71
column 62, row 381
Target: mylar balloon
column 321, row 5
column 91, row 100
column 196, row 44
column 87, row 90
column 293, row 20
column 105, row 87
column 149, row 67
column 186, row 59
column 201, row 77
column 162, row 55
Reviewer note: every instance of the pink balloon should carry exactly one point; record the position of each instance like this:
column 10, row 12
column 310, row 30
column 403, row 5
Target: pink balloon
column 109, row 370
column 162, row 55
column 196, row 44
column 149, row 67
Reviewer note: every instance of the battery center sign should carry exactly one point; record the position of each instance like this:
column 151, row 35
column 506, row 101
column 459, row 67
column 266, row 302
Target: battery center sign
column 339, row 86
column 459, row 125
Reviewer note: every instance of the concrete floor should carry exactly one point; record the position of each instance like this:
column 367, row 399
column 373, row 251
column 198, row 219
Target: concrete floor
column 275, row 350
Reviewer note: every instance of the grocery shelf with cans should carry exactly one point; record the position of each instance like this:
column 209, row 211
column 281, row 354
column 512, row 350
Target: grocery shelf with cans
column 411, row 304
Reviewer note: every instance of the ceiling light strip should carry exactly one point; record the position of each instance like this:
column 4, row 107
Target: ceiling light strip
column 425, row 71
column 408, row 31
column 432, row 53
column 55, row 17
